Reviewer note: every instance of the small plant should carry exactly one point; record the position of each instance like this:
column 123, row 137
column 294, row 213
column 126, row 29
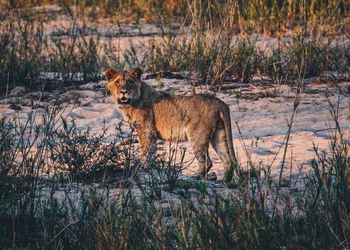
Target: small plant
column 88, row 157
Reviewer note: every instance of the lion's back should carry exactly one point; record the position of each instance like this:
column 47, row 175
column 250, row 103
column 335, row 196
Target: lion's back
column 174, row 115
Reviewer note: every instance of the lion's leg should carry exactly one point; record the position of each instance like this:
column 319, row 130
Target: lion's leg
column 148, row 145
column 219, row 143
column 200, row 145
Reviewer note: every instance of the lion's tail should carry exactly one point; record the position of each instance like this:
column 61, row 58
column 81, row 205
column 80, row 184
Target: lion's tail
column 225, row 117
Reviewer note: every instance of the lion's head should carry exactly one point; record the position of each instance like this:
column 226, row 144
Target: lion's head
column 124, row 86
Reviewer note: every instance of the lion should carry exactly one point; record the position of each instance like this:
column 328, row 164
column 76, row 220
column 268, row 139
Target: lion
column 201, row 119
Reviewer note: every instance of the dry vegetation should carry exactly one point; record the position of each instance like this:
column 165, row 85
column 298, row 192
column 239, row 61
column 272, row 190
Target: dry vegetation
column 62, row 187
column 214, row 40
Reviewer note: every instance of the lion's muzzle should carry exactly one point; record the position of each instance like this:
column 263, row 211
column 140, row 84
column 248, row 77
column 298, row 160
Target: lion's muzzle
column 124, row 100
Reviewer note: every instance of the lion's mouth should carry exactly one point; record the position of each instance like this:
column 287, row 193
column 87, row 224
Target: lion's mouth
column 124, row 100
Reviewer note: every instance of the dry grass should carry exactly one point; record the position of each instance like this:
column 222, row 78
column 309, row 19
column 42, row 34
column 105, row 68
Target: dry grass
column 211, row 49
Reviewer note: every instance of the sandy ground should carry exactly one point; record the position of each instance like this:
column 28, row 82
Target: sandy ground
column 262, row 118
column 261, row 111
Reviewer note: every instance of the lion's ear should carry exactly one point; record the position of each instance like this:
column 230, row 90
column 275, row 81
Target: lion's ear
column 136, row 72
column 109, row 73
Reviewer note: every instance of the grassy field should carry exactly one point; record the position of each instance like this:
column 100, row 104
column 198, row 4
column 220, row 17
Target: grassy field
column 62, row 187
column 219, row 45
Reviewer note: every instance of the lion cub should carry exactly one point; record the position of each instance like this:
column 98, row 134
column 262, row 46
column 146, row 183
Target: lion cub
column 201, row 119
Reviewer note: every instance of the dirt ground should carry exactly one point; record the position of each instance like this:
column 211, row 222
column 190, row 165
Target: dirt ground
column 260, row 110
column 262, row 113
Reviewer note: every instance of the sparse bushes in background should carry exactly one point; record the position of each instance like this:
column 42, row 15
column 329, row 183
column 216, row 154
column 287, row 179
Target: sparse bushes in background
column 21, row 43
column 219, row 59
column 269, row 17
column 213, row 51
column 215, row 58
column 28, row 55
column 75, row 59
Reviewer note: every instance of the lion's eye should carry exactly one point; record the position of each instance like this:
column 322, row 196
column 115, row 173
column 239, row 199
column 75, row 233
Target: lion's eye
column 129, row 83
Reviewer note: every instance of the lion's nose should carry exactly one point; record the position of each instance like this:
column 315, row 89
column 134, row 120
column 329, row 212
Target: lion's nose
column 123, row 91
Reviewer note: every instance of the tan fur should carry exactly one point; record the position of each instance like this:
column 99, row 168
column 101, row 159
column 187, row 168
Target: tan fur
column 201, row 119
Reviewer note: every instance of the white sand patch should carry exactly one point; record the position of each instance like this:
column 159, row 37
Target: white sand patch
column 262, row 121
